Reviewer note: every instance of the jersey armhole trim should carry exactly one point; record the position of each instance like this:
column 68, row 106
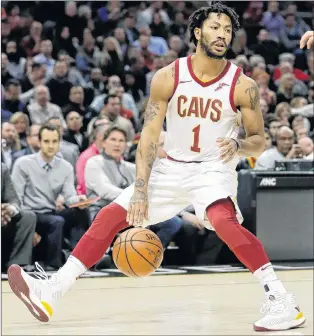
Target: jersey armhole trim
column 176, row 77
column 232, row 89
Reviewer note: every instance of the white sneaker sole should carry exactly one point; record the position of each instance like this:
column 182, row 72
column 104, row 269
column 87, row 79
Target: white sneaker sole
column 284, row 326
column 21, row 289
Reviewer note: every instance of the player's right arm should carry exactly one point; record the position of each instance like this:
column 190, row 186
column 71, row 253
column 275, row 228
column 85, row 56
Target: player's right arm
column 307, row 39
column 162, row 86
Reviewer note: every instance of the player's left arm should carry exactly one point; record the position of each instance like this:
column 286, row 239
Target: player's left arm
column 247, row 98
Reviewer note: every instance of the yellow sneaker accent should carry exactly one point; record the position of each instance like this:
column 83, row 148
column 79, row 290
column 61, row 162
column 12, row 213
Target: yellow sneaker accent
column 300, row 315
column 47, row 307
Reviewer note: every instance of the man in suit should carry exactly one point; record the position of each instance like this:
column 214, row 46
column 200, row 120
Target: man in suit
column 17, row 227
column 69, row 151
column 32, row 143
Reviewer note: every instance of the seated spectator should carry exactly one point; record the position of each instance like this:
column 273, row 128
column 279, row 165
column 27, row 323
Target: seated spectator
column 73, row 133
column 31, row 43
column 286, row 91
column 68, row 151
column 40, row 109
column 291, row 33
column 120, row 36
column 96, row 82
column 59, row 86
column 283, row 113
column 178, row 27
column 307, row 147
column 21, row 123
column 10, row 143
column 156, row 45
column 107, row 174
column 264, row 107
column 39, row 179
column 127, row 99
column 45, row 57
column 12, row 101
column 239, row 45
column 16, row 64
column 158, row 27
column 273, row 21
column 301, row 133
column 298, row 102
column 34, row 77
column 94, row 149
column 111, row 110
column 299, row 121
column 32, row 141
column 285, row 149
column 176, row 44
column 5, row 74
column 74, row 75
column 76, row 101
column 17, row 227
column 133, row 90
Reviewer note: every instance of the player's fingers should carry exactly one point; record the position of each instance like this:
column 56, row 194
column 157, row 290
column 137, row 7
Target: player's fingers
column 310, row 42
column 131, row 214
column 305, row 38
column 146, row 212
column 129, row 211
column 137, row 214
column 223, row 142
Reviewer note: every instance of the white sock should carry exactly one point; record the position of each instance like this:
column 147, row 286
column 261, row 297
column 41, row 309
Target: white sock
column 71, row 270
column 269, row 280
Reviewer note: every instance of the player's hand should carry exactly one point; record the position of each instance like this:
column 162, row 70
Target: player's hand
column 6, row 214
column 307, row 39
column 228, row 149
column 138, row 207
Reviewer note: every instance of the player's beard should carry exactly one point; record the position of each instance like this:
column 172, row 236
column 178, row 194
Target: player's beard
column 205, row 46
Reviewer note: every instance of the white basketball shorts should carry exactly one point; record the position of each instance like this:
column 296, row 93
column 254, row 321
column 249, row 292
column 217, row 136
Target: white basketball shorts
column 175, row 185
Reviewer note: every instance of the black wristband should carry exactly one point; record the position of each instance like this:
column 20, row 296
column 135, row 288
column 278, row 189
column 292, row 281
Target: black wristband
column 237, row 143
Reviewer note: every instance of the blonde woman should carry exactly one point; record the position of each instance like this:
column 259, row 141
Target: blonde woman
column 286, row 91
column 283, row 113
column 20, row 121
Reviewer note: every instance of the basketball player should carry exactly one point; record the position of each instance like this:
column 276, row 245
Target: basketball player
column 200, row 96
column 307, row 39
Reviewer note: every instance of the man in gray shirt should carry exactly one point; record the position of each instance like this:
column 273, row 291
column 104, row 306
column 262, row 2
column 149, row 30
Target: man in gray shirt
column 39, row 179
column 285, row 149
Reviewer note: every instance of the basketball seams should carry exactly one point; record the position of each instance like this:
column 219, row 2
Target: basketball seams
column 137, row 240
column 131, row 241
column 120, row 240
column 126, row 255
column 141, row 232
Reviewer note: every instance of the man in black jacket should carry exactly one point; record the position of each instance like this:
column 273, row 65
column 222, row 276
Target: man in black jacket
column 17, row 227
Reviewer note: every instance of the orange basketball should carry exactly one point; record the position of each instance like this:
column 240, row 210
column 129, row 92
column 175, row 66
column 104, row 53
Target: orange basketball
column 137, row 252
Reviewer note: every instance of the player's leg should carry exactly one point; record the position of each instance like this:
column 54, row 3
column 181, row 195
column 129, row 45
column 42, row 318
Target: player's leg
column 40, row 295
column 214, row 201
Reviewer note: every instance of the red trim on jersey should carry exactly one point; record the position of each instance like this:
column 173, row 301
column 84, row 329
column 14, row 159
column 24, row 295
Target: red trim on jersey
column 233, row 84
column 176, row 77
column 204, row 84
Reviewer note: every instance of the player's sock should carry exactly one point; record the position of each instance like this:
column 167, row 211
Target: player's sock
column 247, row 248
column 95, row 242
column 269, row 280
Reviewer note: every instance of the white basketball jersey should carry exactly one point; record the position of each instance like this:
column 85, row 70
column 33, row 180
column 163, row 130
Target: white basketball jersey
column 200, row 112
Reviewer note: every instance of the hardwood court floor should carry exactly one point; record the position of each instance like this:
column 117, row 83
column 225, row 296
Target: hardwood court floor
column 215, row 304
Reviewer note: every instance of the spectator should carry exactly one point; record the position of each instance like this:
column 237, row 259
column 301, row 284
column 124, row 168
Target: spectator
column 64, row 42
column 170, row 57
column 176, row 44
column 112, row 63
column 307, row 147
column 301, row 133
column 239, row 45
column 111, row 110
column 178, row 27
column 157, row 65
column 129, row 26
column 21, row 123
column 158, row 27
column 5, row 74
column 17, row 227
column 127, row 99
column 96, row 82
column 67, row 150
column 74, row 133
column 120, row 36
column 30, row 176
column 283, row 113
column 285, row 149
column 12, row 101
column 93, row 150
column 273, row 21
column 59, row 85
column 264, row 107
column 32, row 141
column 274, row 125
column 74, row 75
column 45, row 57
column 293, row 9
column 146, row 17
column 33, row 78
column 40, row 109
column 156, row 45
column 76, row 101
column 291, row 33
column 31, row 43
column 298, row 102
column 287, row 89
column 106, row 175
column 16, row 64
column 10, row 143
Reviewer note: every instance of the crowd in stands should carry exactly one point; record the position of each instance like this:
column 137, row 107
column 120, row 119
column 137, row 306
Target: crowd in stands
column 75, row 80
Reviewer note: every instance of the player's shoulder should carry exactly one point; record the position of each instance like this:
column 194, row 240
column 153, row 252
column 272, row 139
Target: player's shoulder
column 244, row 82
column 163, row 81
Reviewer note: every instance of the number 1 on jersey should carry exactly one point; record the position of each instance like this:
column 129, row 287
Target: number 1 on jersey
column 196, row 131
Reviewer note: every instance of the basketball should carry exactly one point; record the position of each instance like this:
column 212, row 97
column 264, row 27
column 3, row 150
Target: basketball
column 137, row 252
